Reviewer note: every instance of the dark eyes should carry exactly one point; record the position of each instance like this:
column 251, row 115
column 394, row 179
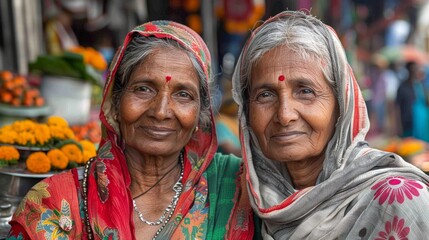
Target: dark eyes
column 304, row 93
column 265, row 95
column 182, row 94
column 142, row 89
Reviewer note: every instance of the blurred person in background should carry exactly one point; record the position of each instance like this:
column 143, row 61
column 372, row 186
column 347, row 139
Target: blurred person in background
column 413, row 104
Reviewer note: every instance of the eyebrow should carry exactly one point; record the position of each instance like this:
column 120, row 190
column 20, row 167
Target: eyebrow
column 295, row 81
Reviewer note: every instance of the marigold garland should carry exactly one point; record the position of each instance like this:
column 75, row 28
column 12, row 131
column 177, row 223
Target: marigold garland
column 58, row 159
column 38, row 162
column 73, row 153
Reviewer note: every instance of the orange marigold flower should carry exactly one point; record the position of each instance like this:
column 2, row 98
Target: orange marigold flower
column 68, row 133
column 88, row 155
column 73, row 153
column 57, row 121
column 58, row 159
column 38, row 162
column 9, row 153
column 23, row 126
column 25, row 138
column 8, row 137
column 42, row 134
column 88, row 145
column 61, row 133
column 410, row 146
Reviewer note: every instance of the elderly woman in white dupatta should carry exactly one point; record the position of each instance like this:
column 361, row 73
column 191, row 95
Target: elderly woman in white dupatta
column 310, row 172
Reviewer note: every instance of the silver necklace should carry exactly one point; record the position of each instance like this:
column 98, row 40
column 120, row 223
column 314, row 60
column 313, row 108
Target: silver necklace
column 168, row 212
column 177, row 189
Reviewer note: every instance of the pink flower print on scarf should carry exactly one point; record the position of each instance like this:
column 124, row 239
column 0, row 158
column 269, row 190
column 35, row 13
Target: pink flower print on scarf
column 395, row 188
column 394, row 230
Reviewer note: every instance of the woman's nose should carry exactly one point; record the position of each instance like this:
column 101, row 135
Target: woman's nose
column 162, row 106
column 286, row 112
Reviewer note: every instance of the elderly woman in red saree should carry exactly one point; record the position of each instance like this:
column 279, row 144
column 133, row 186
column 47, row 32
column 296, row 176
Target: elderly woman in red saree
column 309, row 170
column 156, row 173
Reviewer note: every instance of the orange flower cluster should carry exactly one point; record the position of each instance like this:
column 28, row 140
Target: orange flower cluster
column 90, row 131
column 38, row 162
column 8, row 155
column 58, row 159
column 66, row 150
column 69, row 155
column 406, row 147
column 33, row 134
column 16, row 91
column 91, row 57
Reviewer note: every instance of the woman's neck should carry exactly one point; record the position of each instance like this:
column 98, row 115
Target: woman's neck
column 304, row 173
column 152, row 172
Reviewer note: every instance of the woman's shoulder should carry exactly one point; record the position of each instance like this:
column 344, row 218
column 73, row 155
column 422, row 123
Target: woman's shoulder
column 49, row 192
column 50, row 205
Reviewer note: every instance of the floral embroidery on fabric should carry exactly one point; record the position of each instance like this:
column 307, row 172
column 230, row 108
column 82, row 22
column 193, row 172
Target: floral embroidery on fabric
column 19, row 237
column 395, row 188
column 107, row 233
column 195, row 161
column 198, row 232
column 196, row 221
column 395, row 230
column 102, row 181
column 35, row 195
column 56, row 224
column 104, row 151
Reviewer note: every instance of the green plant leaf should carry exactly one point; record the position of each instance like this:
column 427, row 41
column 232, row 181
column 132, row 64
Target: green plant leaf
column 53, row 65
column 60, row 144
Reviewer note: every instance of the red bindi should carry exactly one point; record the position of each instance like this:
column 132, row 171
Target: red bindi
column 167, row 78
column 281, row 78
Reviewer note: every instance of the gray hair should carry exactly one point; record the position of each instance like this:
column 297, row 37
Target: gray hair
column 301, row 33
column 138, row 50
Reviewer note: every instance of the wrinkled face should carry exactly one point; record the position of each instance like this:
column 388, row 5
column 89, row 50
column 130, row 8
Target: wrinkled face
column 159, row 110
column 292, row 108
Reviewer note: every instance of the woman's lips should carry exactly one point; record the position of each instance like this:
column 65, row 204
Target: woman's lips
column 287, row 136
column 158, row 132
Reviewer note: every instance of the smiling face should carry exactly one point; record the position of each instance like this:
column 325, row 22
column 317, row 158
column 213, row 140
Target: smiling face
column 292, row 108
column 159, row 110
